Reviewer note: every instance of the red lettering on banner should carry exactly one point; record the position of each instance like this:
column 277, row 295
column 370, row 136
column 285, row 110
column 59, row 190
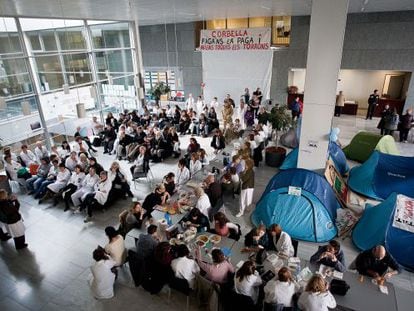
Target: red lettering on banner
column 409, row 209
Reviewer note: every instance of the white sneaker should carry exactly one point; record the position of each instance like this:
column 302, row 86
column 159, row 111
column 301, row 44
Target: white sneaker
column 240, row 214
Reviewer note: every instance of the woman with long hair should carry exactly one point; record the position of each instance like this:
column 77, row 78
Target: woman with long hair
column 280, row 291
column 222, row 225
column 248, row 280
column 316, row 296
column 219, row 270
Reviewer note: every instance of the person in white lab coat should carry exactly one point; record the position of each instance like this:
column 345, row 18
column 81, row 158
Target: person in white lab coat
column 27, row 156
column 183, row 173
column 62, row 179
column 103, row 279
column 40, row 151
column 203, row 202
column 281, row 290
column 200, row 105
column 247, row 281
column 280, row 241
column 189, row 104
column 87, row 186
column 316, row 296
column 99, row 196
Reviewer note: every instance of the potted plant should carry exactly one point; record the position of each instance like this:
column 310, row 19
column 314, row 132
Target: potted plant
column 159, row 89
column 280, row 121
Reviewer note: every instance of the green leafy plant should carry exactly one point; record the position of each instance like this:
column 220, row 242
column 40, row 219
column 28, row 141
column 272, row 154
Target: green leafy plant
column 159, row 89
column 280, row 120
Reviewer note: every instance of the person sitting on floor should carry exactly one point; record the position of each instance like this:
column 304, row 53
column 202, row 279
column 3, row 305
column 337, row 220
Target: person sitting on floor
column 377, row 263
column 316, row 296
column 280, row 241
column 330, row 255
column 197, row 220
column 141, row 164
column 281, row 290
column 218, row 271
column 116, row 246
column 103, row 279
column 184, row 267
column 203, row 202
column 218, row 142
column 169, row 183
column 195, row 164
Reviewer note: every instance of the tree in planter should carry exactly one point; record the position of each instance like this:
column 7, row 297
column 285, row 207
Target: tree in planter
column 159, row 89
column 280, row 121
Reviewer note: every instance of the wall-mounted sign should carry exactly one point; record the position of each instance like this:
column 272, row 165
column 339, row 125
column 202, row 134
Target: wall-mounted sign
column 253, row 39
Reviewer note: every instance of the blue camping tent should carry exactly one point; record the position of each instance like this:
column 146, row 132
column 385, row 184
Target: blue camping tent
column 309, row 216
column 376, row 227
column 335, row 152
column 383, row 174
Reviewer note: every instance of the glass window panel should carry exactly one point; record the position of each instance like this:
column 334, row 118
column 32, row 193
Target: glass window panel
column 49, row 40
column 14, row 78
column 255, row 22
column 116, row 62
column 72, row 39
column 50, row 72
column 77, row 68
column 216, row 24
column 10, row 43
column 110, row 35
column 234, row 23
column 14, row 108
column 35, row 42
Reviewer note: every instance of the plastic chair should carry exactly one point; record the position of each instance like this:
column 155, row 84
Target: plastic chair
column 182, row 286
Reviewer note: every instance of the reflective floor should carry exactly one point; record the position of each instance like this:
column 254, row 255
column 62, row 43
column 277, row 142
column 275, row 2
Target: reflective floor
column 52, row 273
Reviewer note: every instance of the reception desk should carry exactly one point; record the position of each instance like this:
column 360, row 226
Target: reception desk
column 397, row 103
column 350, row 108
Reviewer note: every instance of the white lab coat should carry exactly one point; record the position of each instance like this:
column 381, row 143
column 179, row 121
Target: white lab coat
column 284, row 244
column 185, row 268
column 62, row 179
column 77, row 147
column 194, row 167
column 189, row 103
column 87, row 186
column 182, row 176
column 12, row 169
column 249, row 286
column 203, row 204
column 316, row 301
column 70, row 163
column 102, row 191
column 41, row 153
column 103, row 279
column 28, row 158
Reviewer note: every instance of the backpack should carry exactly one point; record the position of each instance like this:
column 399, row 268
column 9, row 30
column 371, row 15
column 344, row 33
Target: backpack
column 339, row 287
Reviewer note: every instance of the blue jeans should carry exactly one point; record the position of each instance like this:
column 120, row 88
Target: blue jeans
column 34, row 183
column 42, row 189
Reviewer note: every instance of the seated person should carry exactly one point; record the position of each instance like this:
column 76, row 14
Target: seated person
column 93, row 163
column 219, row 270
column 248, row 280
column 80, row 146
column 120, row 183
column 316, row 296
column 169, row 183
column 377, row 263
column 196, row 219
column 116, row 246
column 27, row 156
column 102, row 283
column 132, row 218
column 217, row 142
column 62, row 178
column 203, row 202
column 281, row 290
column 193, row 146
column 280, row 241
column 330, row 255
column 141, row 163
column 222, row 226
column 195, row 164
column 158, row 197
column 184, row 267
column 71, row 161
column 98, row 196
column 183, row 173
column 213, row 189
column 34, row 182
column 124, row 141
column 202, row 157
column 51, row 177
column 75, row 183
column 256, row 239
column 87, row 186
column 147, row 242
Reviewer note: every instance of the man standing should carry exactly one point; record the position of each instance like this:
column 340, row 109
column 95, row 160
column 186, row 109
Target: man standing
column 372, row 103
column 340, row 102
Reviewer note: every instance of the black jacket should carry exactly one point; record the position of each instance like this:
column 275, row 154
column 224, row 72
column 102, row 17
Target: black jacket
column 10, row 211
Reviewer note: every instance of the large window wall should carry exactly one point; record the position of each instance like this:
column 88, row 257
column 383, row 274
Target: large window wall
column 59, row 63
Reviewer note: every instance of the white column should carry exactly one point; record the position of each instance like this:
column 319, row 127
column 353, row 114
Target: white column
column 326, row 37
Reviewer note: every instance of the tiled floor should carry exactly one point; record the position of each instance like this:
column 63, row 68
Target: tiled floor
column 52, row 273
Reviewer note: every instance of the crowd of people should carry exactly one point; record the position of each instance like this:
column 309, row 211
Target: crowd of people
column 70, row 173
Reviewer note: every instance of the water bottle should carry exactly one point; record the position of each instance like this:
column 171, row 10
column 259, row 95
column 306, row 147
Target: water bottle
column 168, row 219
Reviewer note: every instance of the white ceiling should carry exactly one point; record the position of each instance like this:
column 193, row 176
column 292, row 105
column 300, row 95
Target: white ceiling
column 170, row 11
